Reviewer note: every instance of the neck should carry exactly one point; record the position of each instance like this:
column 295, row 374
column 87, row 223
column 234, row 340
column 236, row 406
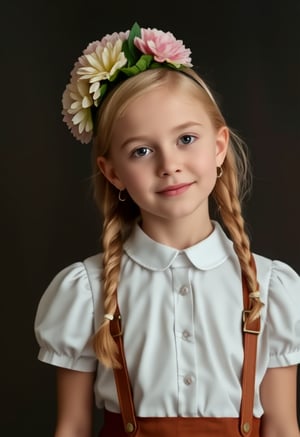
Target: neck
column 179, row 234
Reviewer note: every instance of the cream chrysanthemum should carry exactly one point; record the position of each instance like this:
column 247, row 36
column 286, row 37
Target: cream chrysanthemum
column 101, row 65
column 77, row 104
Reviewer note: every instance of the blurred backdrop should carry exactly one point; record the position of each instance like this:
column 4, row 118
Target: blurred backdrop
column 247, row 51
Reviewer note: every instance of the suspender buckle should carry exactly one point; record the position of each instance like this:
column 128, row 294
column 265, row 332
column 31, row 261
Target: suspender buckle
column 115, row 326
column 250, row 327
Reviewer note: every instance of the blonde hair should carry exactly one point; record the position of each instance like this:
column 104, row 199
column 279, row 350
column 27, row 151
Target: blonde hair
column 120, row 217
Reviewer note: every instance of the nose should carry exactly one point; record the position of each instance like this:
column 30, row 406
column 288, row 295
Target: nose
column 169, row 163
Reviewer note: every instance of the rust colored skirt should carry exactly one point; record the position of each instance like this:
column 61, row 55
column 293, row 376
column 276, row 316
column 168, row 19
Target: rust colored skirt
column 177, row 427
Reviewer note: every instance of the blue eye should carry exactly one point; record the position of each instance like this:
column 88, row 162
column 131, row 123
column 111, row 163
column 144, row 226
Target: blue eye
column 141, row 152
column 187, row 139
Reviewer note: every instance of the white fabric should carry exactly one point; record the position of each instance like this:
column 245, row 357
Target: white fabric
column 181, row 313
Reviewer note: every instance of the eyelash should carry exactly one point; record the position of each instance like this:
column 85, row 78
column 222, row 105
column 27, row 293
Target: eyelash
column 134, row 153
column 193, row 137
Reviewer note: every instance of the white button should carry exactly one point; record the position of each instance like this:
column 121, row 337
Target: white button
column 184, row 290
column 186, row 334
column 188, row 380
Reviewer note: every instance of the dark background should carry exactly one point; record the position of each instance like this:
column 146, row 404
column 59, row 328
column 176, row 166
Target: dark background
column 248, row 51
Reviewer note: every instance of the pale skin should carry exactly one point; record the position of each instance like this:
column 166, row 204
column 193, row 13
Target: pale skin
column 75, row 402
column 164, row 153
column 148, row 159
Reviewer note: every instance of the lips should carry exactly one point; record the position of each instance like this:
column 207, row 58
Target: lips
column 174, row 190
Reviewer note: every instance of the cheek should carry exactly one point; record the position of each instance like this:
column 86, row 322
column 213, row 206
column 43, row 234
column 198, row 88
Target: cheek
column 132, row 178
column 205, row 168
column 205, row 163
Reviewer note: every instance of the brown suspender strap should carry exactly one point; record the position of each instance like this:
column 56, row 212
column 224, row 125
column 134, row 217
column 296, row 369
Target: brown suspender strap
column 122, row 378
column 250, row 332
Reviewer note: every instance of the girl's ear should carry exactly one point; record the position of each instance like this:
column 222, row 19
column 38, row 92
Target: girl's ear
column 222, row 141
column 107, row 169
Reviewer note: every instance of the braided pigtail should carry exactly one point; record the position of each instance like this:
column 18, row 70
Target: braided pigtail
column 227, row 196
column 104, row 345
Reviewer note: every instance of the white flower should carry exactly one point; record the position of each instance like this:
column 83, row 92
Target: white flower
column 100, row 61
column 101, row 64
column 77, row 104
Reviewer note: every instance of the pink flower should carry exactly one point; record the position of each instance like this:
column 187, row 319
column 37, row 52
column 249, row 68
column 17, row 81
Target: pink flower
column 113, row 38
column 164, row 47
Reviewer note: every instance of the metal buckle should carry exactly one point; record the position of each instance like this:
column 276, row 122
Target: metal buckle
column 116, row 323
column 245, row 329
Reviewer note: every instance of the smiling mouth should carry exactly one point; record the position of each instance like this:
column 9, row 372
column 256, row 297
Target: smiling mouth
column 175, row 190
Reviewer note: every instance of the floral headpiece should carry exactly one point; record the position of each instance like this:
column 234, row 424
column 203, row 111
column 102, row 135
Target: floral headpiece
column 111, row 60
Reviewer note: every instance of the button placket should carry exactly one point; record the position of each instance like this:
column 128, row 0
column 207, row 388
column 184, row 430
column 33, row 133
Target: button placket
column 184, row 328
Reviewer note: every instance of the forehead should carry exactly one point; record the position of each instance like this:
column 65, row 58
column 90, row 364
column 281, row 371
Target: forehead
column 163, row 104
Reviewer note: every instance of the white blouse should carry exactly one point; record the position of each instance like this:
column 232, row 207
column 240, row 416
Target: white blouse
column 181, row 314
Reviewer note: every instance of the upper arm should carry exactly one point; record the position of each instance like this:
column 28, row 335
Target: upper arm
column 75, row 401
column 279, row 401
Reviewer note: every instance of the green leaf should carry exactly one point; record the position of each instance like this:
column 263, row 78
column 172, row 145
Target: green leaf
column 103, row 89
column 156, row 65
column 142, row 64
column 130, row 71
column 128, row 47
column 166, row 65
column 114, row 76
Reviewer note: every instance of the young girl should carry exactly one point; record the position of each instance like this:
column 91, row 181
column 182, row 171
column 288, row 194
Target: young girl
column 176, row 328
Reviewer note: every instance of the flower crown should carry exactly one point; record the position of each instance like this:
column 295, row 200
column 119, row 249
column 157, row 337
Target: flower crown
column 107, row 62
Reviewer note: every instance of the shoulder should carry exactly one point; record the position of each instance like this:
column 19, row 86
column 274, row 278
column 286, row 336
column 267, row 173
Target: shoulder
column 76, row 277
column 280, row 294
column 275, row 271
column 93, row 266
column 74, row 286
column 279, row 286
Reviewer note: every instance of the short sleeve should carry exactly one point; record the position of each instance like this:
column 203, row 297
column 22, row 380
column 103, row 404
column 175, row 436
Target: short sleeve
column 64, row 322
column 283, row 316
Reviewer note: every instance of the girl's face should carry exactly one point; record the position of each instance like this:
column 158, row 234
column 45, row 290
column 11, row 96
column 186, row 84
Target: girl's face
column 164, row 152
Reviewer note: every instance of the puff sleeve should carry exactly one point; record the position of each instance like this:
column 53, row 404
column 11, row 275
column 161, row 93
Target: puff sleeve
column 283, row 316
column 64, row 321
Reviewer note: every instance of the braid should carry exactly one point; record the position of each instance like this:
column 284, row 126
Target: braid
column 105, row 347
column 226, row 195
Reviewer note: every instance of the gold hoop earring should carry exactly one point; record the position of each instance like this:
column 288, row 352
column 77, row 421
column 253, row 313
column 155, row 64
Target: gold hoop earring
column 121, row 199
column 219, row 172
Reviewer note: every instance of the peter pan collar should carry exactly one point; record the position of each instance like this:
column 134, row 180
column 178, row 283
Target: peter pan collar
column 206, row 255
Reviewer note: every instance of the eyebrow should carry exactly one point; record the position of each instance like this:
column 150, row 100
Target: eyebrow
column 131, row 140
column 186, row 125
